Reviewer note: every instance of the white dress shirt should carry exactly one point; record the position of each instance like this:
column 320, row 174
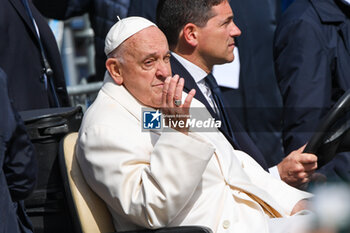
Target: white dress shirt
column 227, row 75
column 198, row 75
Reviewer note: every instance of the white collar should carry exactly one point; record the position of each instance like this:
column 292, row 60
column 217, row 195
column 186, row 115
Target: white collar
column 196, row 72
column 121, row 95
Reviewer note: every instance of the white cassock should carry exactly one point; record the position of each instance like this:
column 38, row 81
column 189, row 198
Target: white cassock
column 155, row 179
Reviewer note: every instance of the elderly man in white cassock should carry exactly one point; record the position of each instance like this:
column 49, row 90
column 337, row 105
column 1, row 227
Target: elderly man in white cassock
column 176, row 176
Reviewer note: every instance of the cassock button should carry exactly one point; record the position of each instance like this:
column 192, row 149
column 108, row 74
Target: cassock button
column 226, row 224
column 242, row 165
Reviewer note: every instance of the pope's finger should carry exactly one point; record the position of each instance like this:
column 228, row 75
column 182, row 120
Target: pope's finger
column 189, row 98
column 171, row 91
column 178, row 90
column 165, row 91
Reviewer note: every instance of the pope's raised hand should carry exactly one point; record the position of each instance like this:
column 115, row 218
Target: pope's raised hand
column 176, row 113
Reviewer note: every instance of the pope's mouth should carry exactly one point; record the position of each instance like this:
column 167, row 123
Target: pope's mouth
column 158, row 85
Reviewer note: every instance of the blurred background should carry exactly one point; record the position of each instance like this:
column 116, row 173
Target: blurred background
column 75, row 39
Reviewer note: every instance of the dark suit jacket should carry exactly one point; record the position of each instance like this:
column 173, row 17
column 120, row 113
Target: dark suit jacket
column 20, row 57
column 18, row 166
column 242, row 140
column 146, row 9
column 312, row 62
column 257, row 103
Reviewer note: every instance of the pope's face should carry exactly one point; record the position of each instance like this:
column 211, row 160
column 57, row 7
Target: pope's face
column 146, row 66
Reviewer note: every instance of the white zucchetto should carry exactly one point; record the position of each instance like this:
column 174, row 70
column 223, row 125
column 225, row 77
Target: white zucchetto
column 124, row 29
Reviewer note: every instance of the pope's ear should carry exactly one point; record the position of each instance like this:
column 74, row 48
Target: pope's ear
column 114, row 68
column 190, row 34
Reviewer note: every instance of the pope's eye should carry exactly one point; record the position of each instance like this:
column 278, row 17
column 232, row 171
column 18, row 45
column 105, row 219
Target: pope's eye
column 167, row 58
column 149, row 62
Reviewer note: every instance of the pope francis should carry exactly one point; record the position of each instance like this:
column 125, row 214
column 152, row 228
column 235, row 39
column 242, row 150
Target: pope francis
column 176, row 176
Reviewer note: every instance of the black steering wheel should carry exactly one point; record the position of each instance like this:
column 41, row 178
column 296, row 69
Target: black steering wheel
column 332, row 135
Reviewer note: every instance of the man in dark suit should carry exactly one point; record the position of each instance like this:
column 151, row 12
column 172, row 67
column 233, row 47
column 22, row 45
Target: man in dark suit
column 31, row 83
column 312, row 62
column 18, row 166
column 257, row 91
column 200, row 40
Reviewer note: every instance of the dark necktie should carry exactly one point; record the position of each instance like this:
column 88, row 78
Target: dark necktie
column 217, row 96
column 48, row 78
